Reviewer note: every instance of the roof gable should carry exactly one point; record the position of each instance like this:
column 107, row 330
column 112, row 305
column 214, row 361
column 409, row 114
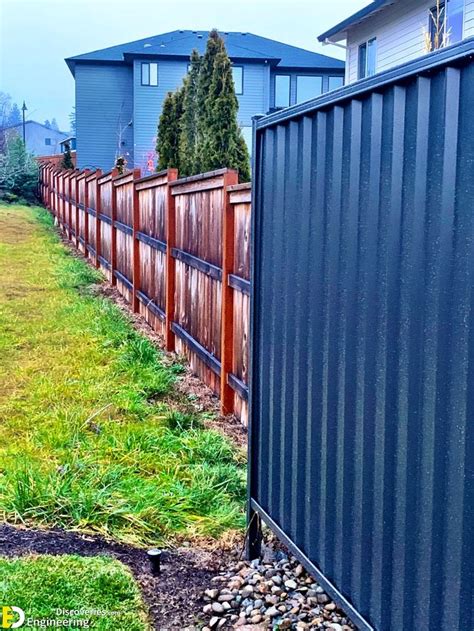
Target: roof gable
column 243, row 46
column 31, row 122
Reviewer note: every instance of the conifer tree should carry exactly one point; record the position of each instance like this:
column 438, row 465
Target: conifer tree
column 169, row 127
column 187, row 145
column 164, row 142
column 67, row 162
column 215, row 45
column 225, row 146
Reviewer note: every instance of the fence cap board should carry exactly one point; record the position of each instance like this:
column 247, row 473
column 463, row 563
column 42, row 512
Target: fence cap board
column 157, row 175
column 83, row 174
column 246, row 186
column 105, row 177
column 126, row 178
column 187, row 188
column 240, row 193
column 152, row 181
column 94, row 175
column 201, row 182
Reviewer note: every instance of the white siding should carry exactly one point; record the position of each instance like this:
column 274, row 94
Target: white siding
column 399, row 30
column 469, row 19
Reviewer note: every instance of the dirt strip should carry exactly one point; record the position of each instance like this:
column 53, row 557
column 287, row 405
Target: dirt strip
column 174, row 598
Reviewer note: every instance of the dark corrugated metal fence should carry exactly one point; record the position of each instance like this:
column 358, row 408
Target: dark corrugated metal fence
column 363, row 340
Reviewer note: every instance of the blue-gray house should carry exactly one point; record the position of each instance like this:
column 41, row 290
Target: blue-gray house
column 119, row 90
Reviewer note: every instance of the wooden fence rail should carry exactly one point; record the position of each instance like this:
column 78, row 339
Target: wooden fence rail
column 178, row 251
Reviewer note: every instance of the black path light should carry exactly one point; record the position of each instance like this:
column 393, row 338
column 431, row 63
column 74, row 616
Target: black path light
column 154, row 556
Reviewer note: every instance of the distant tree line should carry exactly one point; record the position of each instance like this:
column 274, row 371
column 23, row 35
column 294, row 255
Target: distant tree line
column 198, row 129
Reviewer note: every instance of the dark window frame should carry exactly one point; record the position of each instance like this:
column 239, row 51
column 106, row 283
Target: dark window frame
column 48, row 142
column 444, row 6
column 363, row 68
column 242, row 79
column 149, row 84
column 288, row 76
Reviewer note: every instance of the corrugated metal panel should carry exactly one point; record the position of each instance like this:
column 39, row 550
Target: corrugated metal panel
column 363, row 343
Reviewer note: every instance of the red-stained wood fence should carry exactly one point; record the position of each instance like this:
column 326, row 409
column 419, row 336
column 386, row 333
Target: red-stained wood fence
column 178, row 251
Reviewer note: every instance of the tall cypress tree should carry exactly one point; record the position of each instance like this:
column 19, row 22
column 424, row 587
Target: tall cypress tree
column 225, row 146
column 215, row 45
column 67, row 162
column 187, row 146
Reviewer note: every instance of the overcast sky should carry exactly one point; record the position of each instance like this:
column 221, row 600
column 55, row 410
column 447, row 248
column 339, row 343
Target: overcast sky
column 36, row 35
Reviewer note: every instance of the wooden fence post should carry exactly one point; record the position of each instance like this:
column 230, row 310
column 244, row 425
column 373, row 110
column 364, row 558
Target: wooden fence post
column 135, row 243
column 69, row 206
column 227, row 313
column 97, row 209
column 86, row 214
column 76, row 200
column 113, row 232
column 170, row 261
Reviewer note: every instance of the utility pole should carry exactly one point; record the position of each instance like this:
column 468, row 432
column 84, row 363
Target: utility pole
column 23, row 109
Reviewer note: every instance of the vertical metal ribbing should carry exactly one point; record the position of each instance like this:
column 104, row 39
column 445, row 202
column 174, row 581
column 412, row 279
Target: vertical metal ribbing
column 365, row 345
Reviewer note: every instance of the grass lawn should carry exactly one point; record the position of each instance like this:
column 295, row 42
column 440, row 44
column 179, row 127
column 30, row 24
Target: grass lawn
column 86, row 440
column 42, row 585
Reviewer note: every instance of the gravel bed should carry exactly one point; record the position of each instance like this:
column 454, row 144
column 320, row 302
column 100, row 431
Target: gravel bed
column 272, row 593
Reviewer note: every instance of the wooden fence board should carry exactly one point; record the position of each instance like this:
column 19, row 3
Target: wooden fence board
column 178, row 251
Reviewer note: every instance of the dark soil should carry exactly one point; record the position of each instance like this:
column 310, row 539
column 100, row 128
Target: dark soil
column 173, row 598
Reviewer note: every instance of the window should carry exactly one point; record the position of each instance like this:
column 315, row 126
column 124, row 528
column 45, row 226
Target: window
column 47, row 141
column 308, row 87
column 247, row 134
column 282, row 90
column 446, row 23
column 238, row 74
column 367, row 58
column 149, row 74
column 335, row 82
column 455, row 20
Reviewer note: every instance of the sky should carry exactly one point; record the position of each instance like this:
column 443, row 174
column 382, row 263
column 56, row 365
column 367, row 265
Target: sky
column 36, row 36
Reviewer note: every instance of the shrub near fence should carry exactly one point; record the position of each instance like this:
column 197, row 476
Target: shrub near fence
column 178, row 251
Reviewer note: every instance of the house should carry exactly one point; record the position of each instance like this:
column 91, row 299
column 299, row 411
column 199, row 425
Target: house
column 388, row 33
column 70, row 142
column 39, row 139
column 120, row 90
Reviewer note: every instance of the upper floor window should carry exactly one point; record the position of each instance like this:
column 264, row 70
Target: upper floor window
column 335, row 82
column 446, row 23
column 47, row 141
column 149, row 73
column 282, row 90
column 238, row 75
column 367, row 58
column 308, row 87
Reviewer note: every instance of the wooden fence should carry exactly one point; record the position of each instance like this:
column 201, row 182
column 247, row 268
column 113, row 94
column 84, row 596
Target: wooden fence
column 178, row 251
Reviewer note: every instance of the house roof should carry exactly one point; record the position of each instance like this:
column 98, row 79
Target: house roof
column 355, row 18
column 240, row 46
column 31, row 122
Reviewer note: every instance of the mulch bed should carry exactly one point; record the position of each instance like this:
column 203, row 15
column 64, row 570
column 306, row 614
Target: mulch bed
column 174, row 598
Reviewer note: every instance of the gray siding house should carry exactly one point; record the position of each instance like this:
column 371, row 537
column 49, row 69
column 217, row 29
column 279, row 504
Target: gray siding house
column 388, row 33
column 39, row 139
column 120, row 90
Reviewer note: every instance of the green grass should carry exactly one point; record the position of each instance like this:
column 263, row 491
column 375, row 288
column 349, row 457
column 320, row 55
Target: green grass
column 42, row 585
column 86, row 439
